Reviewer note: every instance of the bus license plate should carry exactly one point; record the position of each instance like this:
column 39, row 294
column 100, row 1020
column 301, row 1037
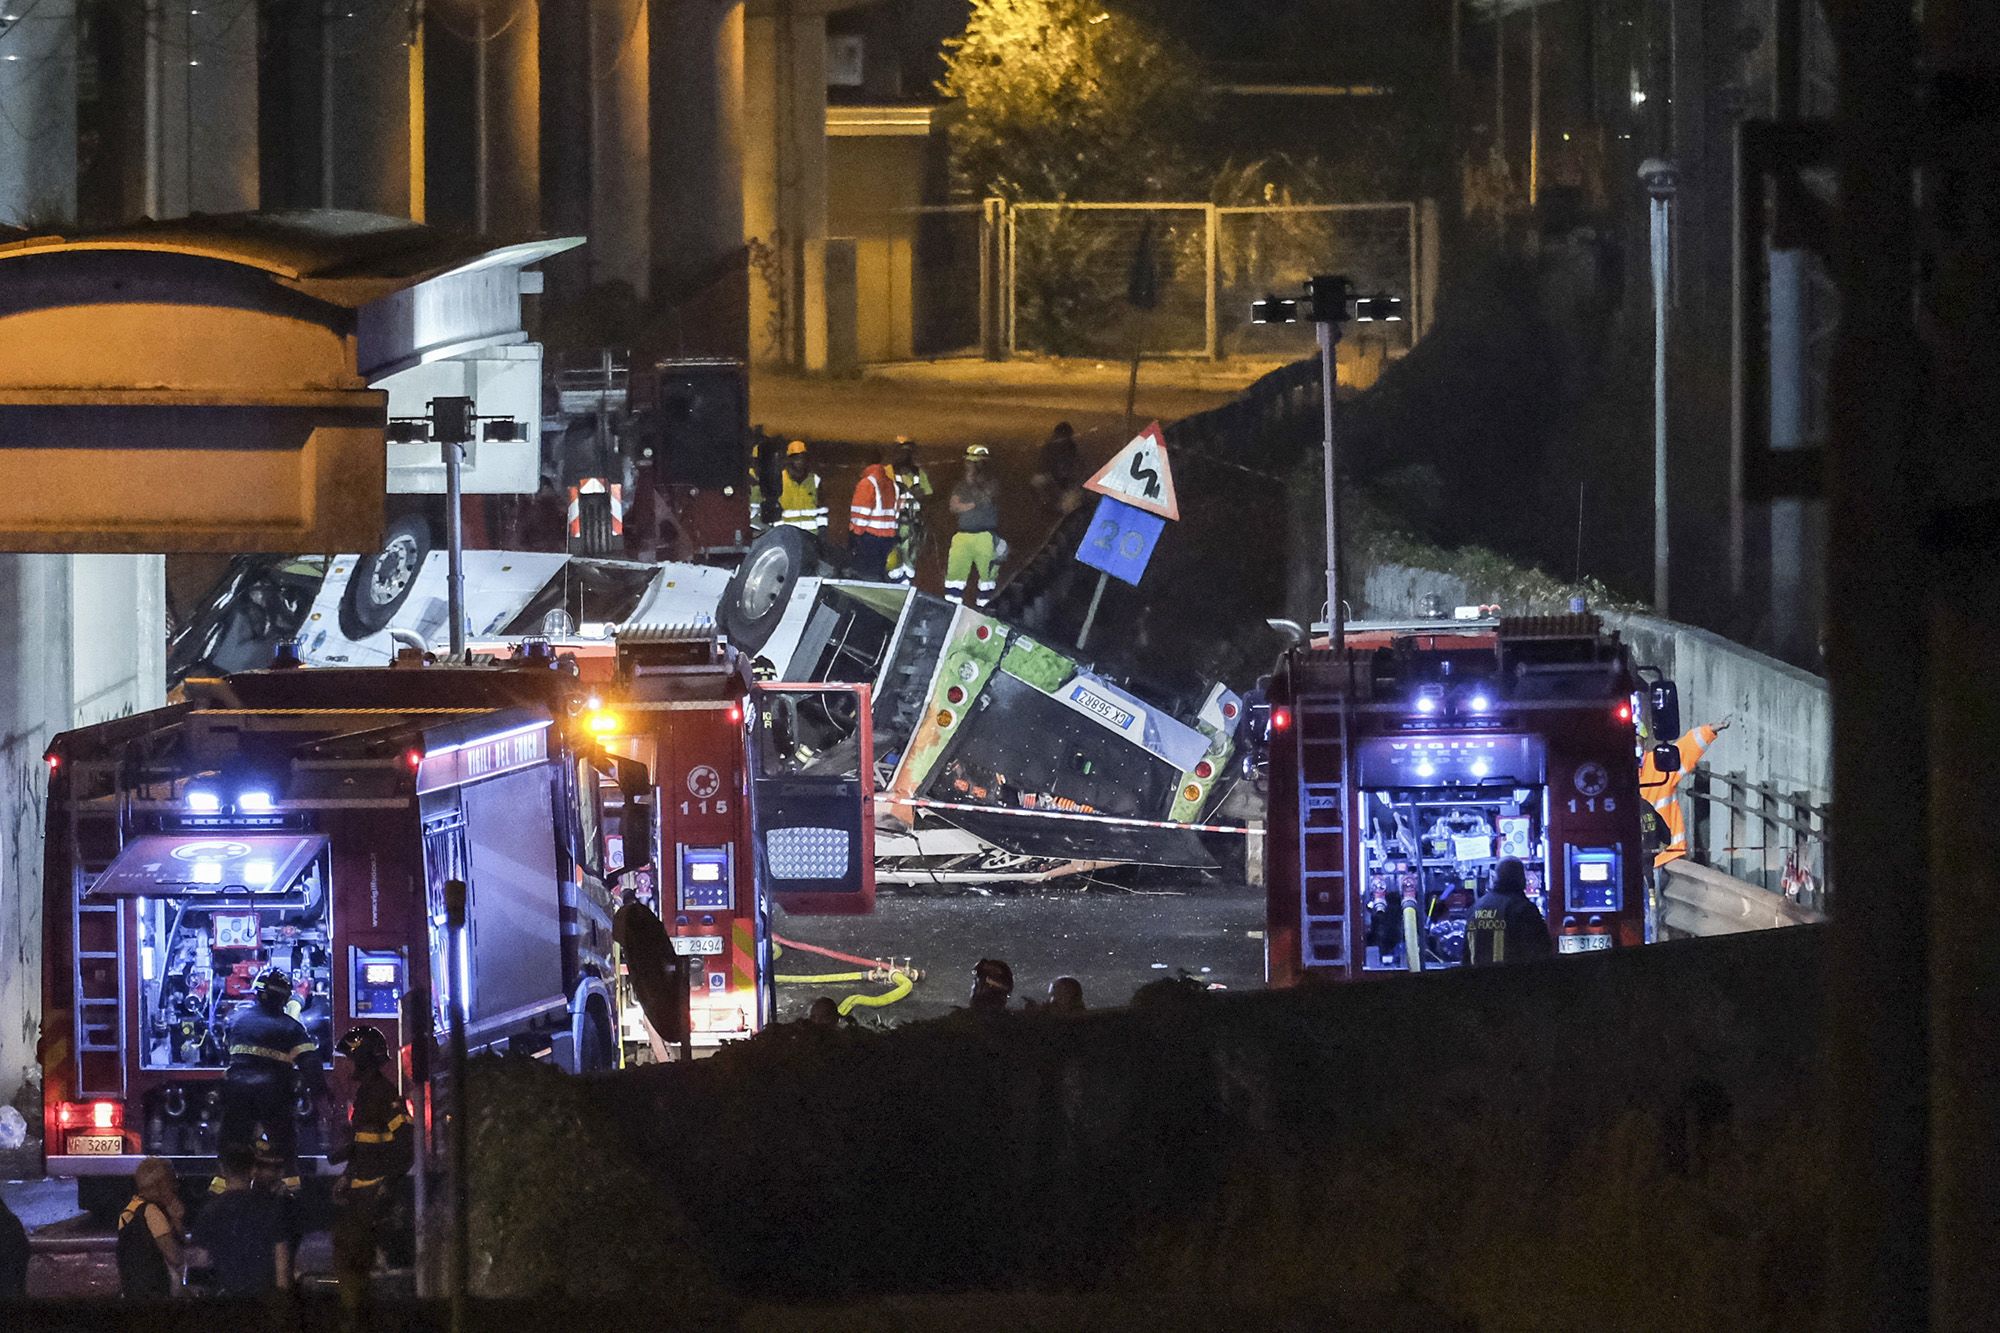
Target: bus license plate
column 96, row 1145
column 687, row 945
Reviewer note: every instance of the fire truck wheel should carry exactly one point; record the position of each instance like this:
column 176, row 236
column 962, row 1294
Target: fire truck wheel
column 759, row 590
column 597, row 1054
column 381, row 583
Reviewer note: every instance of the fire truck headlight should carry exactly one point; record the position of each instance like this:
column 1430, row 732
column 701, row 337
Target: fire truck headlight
column 254, row 802
column 1480, row 768
column 1426, row 704
column 1427, row 769
column 207, row 872
column 602, row 722
column 204, row 803
column 258, row 874
column 1480, row 703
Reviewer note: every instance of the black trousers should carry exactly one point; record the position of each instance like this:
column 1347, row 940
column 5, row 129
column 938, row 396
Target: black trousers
column 249, row 1101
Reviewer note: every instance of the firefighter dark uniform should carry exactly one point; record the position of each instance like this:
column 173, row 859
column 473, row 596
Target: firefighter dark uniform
column 267, row 1050
column 1505, row 927
column 378, row 1153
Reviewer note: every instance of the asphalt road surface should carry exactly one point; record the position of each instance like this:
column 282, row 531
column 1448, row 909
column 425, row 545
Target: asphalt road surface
column 1112, row 941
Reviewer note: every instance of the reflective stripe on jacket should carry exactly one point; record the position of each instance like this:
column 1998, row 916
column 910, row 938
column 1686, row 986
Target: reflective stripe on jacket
column 1662, row 791
column 798, row 502
column 874, row 509
column 261, row 1042
column 381, row 1139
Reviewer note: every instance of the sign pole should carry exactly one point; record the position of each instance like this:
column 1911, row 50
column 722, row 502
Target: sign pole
column 1336, row 626
column 1090, row 616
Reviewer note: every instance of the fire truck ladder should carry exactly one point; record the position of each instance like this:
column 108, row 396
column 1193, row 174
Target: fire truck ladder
column 1323, row 822
column 97, row 933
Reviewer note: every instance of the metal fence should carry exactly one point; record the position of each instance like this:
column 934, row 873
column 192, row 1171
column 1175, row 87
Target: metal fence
column 1104, row 279
column 1758, row 834
column 1079, row 276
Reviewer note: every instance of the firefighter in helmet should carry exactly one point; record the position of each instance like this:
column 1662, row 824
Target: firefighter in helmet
column 375, row 1156
column 271, row 1058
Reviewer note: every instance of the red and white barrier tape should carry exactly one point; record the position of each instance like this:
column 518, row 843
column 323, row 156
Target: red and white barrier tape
column 922, row 804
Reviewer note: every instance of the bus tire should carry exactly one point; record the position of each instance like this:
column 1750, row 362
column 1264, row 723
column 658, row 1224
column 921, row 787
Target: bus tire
column 761, row 588
column 380, row 583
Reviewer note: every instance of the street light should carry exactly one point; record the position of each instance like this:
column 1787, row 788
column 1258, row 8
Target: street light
column 1329, row 303
column 451, row 422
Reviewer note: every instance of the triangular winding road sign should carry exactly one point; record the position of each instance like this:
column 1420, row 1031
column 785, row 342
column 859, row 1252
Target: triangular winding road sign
column 1138, row 475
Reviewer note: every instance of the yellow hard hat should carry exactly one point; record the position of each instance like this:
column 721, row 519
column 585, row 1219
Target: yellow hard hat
column 795, row 448
column 977, row 451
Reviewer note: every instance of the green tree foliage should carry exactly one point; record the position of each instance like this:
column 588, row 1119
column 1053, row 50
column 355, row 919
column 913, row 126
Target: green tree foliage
column 1071, row 100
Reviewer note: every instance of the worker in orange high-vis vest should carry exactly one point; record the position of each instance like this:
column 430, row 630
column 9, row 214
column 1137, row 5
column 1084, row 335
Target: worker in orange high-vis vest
column 871, row 521
column 1662, row 790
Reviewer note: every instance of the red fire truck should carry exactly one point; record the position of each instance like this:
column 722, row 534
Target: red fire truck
column 1405, row 768
column 311, row 819
column 677, row 703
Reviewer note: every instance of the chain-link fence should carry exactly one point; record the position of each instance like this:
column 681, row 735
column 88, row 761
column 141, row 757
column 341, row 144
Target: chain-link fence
column 1101, row 279
column 1098, row 279
column 1178, row 279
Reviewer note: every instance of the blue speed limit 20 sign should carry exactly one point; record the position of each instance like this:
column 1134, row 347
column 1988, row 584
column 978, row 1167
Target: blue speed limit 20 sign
column 1121, row 540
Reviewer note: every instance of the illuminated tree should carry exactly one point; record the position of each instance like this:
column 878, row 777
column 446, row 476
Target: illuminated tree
column 1071, row 100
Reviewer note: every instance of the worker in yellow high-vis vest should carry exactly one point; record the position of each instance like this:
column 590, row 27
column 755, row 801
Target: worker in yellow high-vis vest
column 798, row 492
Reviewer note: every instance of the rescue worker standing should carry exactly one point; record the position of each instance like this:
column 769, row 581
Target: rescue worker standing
column 975, row 551
column 269, row 1050
column 379, row 1149
column 913, row 487
column 1662, row 790
column 798, row 492
column 871, row 521
column 1506, row 927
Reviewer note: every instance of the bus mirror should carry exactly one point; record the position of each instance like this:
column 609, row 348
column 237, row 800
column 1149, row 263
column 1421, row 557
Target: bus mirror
column 1667, row 758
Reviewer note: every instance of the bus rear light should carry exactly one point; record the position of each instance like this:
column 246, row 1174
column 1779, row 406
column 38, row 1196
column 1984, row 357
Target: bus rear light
column 103, row 1116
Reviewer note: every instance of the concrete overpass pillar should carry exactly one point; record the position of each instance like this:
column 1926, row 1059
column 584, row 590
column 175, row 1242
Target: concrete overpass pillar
column 372, row 108
column 695, row 57
column 621, row 189
column 82, row 639
column 509, row 145
column 38, row 134
column 784, row 212
column 189, row 77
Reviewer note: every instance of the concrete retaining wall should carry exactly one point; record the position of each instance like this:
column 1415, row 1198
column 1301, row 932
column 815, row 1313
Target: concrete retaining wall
column 1626, row 1140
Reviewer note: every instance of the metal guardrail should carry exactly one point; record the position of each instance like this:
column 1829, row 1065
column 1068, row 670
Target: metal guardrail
column 1759, row 834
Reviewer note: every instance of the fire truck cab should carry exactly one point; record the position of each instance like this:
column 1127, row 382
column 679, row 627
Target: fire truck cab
column 741, row 822
column 311, row 819
column 1406, row 767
